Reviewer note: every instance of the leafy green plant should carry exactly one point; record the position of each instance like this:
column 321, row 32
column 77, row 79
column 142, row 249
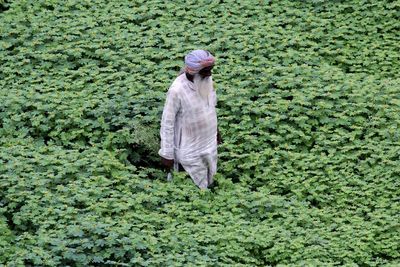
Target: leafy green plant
column 308, row 106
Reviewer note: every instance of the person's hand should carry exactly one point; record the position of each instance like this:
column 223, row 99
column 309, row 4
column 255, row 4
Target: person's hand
column 168, row 163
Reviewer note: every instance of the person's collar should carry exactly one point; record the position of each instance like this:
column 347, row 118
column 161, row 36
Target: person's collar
column 190, row 77
column 189, row 83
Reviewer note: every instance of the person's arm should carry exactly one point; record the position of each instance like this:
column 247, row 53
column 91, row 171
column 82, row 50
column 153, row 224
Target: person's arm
column 171, row 108
column 219, row 138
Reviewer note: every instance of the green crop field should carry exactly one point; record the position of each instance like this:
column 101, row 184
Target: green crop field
column 308, row 107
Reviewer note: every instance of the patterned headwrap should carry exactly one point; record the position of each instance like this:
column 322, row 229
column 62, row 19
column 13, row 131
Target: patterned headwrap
column 197, row 60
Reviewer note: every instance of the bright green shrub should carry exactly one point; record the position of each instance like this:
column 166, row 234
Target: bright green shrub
column 308, row 108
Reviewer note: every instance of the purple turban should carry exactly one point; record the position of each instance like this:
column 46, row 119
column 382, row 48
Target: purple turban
column 197, row 60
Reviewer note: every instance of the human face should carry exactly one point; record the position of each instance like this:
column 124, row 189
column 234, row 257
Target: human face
column 205, row 72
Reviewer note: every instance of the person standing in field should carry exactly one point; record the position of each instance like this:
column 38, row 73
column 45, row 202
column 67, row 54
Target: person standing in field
column 189, row 134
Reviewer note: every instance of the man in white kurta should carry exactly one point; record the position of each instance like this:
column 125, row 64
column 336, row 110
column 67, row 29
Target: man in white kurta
column 189, row 121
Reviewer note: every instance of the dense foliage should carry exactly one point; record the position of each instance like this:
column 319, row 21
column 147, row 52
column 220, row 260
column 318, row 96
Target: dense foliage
column 309, row 109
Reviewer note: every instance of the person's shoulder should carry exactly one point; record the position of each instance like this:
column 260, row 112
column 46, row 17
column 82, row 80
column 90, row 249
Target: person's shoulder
column 177, row 85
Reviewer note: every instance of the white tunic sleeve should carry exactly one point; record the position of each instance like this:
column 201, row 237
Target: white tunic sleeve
column 168, row 120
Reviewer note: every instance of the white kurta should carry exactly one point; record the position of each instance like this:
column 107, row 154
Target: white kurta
column 189, row 131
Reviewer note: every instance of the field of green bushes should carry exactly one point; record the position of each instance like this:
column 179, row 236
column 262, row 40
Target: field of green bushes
column 308, row 107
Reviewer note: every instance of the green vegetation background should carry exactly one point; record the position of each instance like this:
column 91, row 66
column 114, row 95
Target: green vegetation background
column 309, row 108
